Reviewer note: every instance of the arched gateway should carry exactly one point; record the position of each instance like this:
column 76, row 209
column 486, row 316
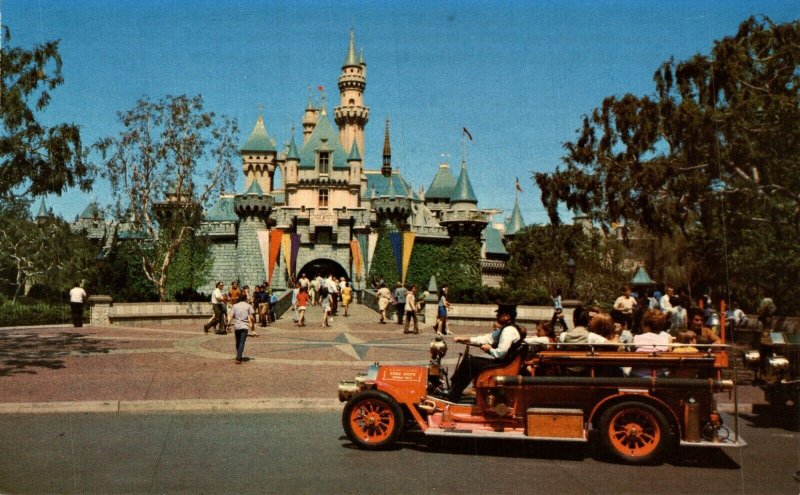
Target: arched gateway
column 323, row 267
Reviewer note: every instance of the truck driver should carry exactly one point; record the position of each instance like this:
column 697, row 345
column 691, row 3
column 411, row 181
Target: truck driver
column 496, row 344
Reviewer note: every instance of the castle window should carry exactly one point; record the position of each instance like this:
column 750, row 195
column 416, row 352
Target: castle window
column 352, row 101
column 323, row 198
column 324, row 158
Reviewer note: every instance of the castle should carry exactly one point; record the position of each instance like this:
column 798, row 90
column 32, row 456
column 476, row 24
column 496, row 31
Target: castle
column 326, row 197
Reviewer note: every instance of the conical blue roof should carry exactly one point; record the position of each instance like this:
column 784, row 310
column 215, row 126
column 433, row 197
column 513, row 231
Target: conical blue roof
column 42, row 209
column 350, row 58
column 463, row 192
column 641, row 277
column 292, row 153
column 255, row 189
column 443, row 184
column 91, row 212
column 355, row 156
column 259, row 140
column 324, row 136
column 515, row 223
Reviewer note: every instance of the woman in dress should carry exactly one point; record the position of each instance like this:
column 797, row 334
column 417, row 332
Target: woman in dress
column 347, row 296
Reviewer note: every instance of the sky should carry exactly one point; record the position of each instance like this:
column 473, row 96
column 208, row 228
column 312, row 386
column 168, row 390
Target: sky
column 518, row 74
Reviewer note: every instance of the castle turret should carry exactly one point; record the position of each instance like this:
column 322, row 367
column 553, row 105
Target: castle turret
column 352, row 116
column 292, row 161
column 258, row 158
column 463, row 216
column 310, row 119
column 515, row 223
column 355, row 163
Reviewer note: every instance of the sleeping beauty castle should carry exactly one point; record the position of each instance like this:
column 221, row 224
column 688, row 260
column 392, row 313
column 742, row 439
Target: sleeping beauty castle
column 316, row 207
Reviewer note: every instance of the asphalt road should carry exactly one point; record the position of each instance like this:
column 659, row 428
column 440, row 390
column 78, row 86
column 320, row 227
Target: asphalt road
column 307, row 452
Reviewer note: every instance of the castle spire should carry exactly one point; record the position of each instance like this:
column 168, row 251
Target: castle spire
column 350, row 58
column 386, row 169
column 352, row 115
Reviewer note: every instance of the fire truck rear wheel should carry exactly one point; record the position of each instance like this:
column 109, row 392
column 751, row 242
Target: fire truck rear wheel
column 373, row 420
column 634, row 432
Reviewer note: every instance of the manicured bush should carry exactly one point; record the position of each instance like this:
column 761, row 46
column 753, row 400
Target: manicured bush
column 38, row 313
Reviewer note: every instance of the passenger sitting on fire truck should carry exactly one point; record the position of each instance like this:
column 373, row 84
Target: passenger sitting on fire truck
column 496, row 344
column 705, row 335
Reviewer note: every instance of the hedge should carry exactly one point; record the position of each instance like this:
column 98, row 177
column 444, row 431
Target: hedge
column 36, row 314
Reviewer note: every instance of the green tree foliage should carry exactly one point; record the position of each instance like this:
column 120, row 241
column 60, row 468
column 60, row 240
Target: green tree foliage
column 191, row 267
column 456, row 263
column 539, row 255
column 163, row 167
column 711, row 154
column 44, row 252
column 35, row 159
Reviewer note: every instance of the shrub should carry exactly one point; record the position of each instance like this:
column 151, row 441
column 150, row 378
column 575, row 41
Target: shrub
column 36, row 314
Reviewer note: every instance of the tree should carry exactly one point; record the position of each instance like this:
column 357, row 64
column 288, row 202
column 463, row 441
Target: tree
column 41, row 251
column 538, row 258
column 35, row 159
column 712, row 153
column 163, row 167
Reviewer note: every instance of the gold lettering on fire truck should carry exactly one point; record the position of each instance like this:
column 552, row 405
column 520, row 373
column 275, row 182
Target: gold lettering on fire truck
column 401, row 374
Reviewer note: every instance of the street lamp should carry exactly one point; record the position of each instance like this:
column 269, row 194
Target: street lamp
column 101, row 264
column 571, row 275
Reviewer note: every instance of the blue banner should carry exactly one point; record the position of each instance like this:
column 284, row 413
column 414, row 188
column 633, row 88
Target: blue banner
column 396, row 240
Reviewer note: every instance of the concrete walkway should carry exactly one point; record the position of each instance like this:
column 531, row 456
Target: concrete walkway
column 56, row 369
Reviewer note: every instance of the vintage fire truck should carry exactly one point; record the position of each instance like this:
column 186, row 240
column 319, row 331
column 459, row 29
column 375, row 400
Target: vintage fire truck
column 540, row 392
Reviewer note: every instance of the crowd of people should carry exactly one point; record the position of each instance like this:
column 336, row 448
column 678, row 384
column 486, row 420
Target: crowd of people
column 241, row 309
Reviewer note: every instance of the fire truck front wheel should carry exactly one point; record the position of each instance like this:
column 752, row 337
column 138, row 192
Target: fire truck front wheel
column 373, row 420
column 634, row 432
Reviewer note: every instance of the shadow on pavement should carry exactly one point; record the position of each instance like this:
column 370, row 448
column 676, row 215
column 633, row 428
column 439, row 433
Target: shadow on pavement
column 764, row 416
column 23, row 353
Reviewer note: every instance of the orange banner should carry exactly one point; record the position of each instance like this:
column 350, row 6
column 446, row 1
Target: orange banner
column 275, row 237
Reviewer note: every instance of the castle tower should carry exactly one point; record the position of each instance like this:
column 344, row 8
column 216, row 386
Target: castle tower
column 352, row 116
column 310, row 119
column 463, row 216
column 291, row 178
column 515, row 223
column 386, row 168
column 258, row 158
column 354, row 161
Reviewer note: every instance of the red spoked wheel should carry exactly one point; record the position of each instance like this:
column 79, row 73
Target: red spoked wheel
column 373, row 420
column 634, row 432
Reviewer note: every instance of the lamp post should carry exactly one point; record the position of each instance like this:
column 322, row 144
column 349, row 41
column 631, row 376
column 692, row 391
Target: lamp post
column 571, row 275
column 101, row 264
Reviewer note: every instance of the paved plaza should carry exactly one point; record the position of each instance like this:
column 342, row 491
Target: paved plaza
column 181, row 368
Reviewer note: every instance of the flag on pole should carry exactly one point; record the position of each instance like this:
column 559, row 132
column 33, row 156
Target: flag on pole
column 519, row 188
column 467, row 133
column 321, row 88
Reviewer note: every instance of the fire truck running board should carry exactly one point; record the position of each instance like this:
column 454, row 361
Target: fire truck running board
column 512, row 435
column 722, row 443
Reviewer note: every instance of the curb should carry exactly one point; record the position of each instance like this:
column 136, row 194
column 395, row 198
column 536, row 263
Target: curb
column 210, row 405
column 190, row 405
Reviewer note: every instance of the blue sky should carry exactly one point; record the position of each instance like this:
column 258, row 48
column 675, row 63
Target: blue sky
column 519, row 75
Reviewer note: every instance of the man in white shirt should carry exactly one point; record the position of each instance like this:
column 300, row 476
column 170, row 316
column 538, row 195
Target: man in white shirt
column 666, row 305
column 411, row 309
column 625, row 304
column 496, row 344
column 77, row 297
column 218, row 305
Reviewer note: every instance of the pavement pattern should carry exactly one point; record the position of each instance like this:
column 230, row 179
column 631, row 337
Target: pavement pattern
column 54, row 369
